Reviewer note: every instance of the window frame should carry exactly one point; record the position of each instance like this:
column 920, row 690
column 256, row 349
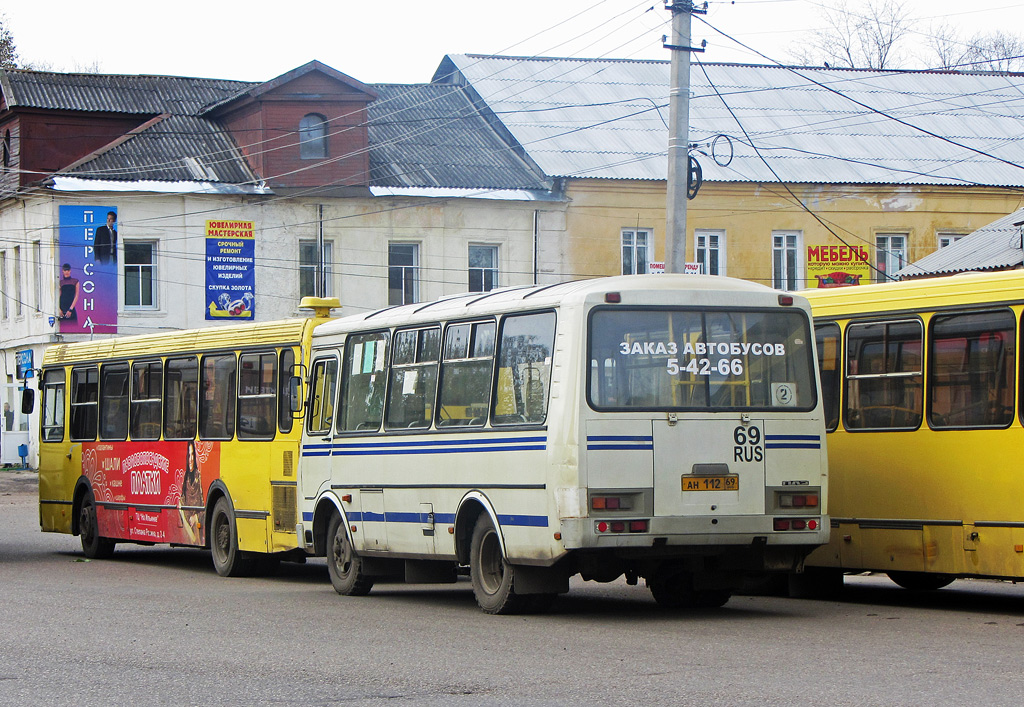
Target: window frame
column 140, row 267
column 111, row 368
column 634, row 248
column 167, row 382
column 308, row 270
column 325, row 361
column 313, row 142
column 787, row 277
column 831, row 408
column 408, row 275
column 850, row 378
column 81, row 407
column 156, row 400
column 203, row 412
column 719, row 249
column 418, row 364
column 55, row 394
column 885, row 265
column 932, row 366
column 496, row 368
column 272, row 396
column 447, row 364
column 483, row 272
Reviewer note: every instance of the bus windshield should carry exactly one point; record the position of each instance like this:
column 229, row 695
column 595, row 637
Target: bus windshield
column 681, row 359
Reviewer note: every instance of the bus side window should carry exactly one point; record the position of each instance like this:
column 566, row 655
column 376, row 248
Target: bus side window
column 524, row 369
column 53, row 406
column 84, row 400
column 466, row 374
column 320, row 411
column 147, row 386
column 217, row 397
column 181, row 393
column 413, row 379
column 884, row 383
column 363, row 382
column 971, row 369
column 114, row 401
column 284, row 374
column 257, row 396
column 827, row 337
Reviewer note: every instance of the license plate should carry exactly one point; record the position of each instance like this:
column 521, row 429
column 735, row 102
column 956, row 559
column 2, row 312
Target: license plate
column 711, row 483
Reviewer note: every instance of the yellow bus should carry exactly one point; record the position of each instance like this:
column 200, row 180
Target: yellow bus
column 189, row 438
column 920, row 384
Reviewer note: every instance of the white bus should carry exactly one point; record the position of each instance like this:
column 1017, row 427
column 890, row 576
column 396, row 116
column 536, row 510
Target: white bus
column 667, row 427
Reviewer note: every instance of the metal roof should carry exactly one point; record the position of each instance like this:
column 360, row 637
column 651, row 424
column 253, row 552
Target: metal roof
column 113, row 93
column 429, row 135
column 608, row 119
column 996, row 246
column 174, row 148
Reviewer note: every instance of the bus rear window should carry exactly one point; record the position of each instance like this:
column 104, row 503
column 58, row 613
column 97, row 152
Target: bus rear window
column 676, row 359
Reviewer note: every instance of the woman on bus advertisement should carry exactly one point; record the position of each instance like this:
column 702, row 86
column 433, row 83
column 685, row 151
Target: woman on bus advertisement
column 163, row 487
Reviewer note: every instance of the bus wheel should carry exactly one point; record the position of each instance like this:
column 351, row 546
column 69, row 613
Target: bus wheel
column 343, row 564
column 492, row 575
column 228, row 560
column 93, row 545
column 921, row 581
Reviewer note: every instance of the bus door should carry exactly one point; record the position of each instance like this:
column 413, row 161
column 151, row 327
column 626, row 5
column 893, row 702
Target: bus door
column 709, row 466
column 318, row 435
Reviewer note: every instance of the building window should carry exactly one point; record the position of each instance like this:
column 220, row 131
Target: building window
column 308, row 265
column 139, row 275
column 634, row 251
column 403, row 273
column 890, row 255
column 947, row 239
column 313, row 137
column 710, row 250
column 786, row 260
column 483, row 268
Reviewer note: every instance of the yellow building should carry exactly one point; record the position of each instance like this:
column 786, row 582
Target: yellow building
column 810, row 176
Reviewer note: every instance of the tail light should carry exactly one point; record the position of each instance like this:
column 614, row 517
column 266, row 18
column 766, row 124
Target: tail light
column 611, row 503
column 784, row 524
column 798, row 500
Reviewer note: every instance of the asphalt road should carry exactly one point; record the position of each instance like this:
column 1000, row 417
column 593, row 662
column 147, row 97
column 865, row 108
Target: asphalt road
column 157, row 626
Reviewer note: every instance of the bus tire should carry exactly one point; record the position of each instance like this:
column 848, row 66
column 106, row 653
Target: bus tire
column 921, row 581
column 343, row 564
column 492, row 575
column 94, row 546
column 228, row 560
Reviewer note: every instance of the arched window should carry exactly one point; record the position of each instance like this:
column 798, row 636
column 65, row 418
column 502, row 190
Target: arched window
column 313, row 137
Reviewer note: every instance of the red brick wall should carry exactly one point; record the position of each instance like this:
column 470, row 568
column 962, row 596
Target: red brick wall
column 49, row 142
column 267, row 131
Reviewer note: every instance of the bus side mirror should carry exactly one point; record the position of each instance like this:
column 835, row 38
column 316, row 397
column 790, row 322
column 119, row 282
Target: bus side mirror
column 295, row 393
column 28, row 401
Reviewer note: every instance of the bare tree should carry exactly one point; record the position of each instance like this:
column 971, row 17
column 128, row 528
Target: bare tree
column 997, row 51
column 994, row 51
column 871, row 35
column 948, row 47
column 8, row 52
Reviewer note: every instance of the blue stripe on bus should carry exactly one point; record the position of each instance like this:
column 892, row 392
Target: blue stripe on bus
column 456, row 446
column 640, row 442
column 792, row 442
column 642, row 447
column 439, row 518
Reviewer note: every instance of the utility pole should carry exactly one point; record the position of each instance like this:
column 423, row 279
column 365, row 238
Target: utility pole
column 679, row 134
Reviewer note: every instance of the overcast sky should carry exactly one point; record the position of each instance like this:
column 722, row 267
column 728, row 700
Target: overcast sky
column 403, row 41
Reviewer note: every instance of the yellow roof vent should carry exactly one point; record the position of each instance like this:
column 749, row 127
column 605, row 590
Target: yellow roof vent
column 321, row 306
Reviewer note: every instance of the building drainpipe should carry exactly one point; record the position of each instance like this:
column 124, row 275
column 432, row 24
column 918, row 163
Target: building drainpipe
column 536, row 242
